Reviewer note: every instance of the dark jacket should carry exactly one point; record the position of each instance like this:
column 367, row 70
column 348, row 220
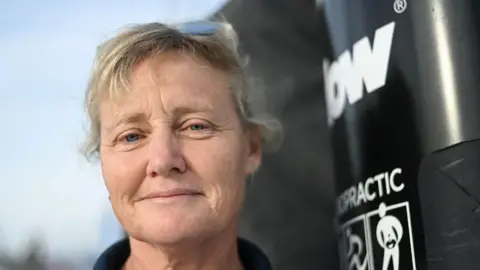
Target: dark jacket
column 115, row 256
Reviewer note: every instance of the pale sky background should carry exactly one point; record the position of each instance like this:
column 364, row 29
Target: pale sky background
column 46, row 49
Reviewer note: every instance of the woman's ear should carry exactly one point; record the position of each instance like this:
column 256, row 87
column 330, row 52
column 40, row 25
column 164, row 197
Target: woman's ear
column 254, row 150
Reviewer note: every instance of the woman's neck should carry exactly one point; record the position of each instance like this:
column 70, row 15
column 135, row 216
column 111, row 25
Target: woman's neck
column 215, row 253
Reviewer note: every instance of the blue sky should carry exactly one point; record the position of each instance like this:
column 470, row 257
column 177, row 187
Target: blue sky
column 46, row 48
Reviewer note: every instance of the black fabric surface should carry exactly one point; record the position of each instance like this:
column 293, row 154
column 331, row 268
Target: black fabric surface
column 115, row 257
column 289, row 207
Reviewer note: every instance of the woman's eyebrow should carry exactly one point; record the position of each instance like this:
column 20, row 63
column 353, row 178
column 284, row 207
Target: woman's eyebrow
column 181, row 110
column 176, row 112
column 127, row 119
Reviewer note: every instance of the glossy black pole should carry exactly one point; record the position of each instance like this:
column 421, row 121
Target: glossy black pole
column 406, row 147
column 446, row 38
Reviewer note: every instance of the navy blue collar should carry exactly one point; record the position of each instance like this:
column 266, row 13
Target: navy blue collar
column 116, row 255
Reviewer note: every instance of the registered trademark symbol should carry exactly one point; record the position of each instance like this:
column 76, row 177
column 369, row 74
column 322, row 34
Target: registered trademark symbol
column 400, row 6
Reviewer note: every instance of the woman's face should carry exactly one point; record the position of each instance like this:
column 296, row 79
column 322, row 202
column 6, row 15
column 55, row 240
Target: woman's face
column 173, row 152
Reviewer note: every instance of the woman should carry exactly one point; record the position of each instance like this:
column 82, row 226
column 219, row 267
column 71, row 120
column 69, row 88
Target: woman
column 173, row 126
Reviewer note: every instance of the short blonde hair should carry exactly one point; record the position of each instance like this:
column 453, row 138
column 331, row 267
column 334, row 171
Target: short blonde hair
column 116, row 57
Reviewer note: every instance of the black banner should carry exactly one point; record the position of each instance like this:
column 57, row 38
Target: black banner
column 289, row 208
column 402, row 102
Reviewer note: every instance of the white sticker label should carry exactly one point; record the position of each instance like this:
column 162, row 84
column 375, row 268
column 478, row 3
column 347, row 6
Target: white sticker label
column 379, row 240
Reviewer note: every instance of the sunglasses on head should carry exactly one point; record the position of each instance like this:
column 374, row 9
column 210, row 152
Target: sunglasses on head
column 198, row 28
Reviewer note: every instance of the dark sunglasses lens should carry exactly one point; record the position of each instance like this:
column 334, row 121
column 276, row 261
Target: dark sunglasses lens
column 198, row 28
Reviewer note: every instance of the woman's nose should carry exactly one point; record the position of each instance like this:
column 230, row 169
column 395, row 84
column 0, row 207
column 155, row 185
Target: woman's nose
column 164, row 155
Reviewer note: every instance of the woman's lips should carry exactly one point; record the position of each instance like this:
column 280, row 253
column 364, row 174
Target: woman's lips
column 171, row 193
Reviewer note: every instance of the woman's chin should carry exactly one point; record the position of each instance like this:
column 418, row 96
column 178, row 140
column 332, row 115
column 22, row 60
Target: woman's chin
column 172, row 228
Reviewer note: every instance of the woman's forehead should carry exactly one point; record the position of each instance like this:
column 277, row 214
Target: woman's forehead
column 176, row 76
column 173, row 79
column 171, row 66
column 174, row 94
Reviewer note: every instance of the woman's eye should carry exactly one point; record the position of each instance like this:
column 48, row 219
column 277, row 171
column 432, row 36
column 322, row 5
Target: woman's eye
column 198, row 127
column 133, row 137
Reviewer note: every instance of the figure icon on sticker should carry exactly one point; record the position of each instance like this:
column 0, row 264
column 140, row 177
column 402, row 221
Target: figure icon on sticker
column 355, row 249
column 389, row 235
